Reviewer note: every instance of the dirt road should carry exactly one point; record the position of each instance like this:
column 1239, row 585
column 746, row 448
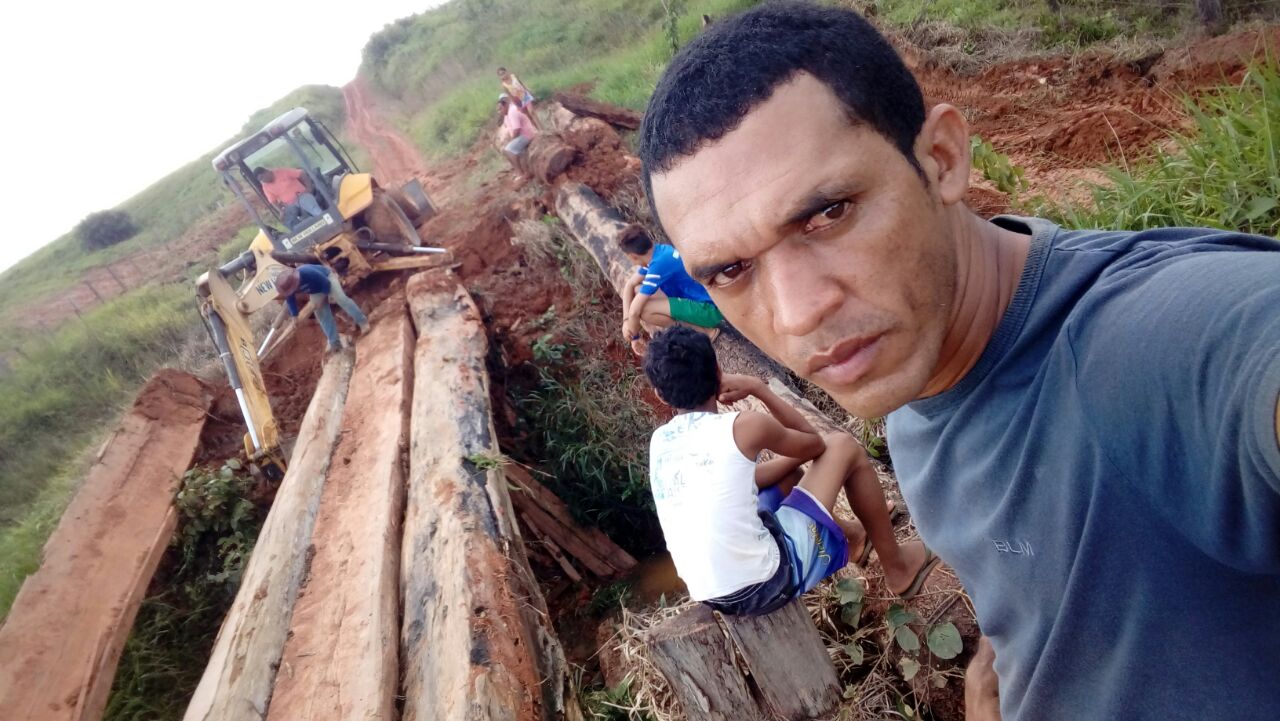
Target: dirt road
column 395, row 158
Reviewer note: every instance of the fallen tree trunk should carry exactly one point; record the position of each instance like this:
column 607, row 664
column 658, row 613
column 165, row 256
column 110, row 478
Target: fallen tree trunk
column 64, row 633
column 612, row 114
column 477, row 641
column 341, row 657
column 547, row 157
column 242, row 669
column 597, row 227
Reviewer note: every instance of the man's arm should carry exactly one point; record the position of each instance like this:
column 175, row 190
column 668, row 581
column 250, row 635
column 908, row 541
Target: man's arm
column 291, row 303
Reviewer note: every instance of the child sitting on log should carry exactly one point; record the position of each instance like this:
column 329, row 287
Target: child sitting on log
column 661, row 293
column 748, row 537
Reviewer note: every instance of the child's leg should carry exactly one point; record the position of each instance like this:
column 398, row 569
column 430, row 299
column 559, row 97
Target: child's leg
column 844, row 466
column 657, row 313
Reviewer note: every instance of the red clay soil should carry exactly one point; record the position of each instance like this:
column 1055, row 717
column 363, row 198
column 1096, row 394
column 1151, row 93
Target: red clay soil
column 395, row 159
column 1079, row 112
column 62, row 639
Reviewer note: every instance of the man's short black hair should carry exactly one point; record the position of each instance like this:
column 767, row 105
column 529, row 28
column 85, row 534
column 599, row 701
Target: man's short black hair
column 635, row 240
column 722, row 74
column 681, row 365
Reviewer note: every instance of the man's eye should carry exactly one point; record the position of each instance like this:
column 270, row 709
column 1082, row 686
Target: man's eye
column 728, row 274
column 828, row 216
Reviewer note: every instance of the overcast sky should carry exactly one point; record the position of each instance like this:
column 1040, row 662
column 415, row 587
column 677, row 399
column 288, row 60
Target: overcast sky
column 101, row 99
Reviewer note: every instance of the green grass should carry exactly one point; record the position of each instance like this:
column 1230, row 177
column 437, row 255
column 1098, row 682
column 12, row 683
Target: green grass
column 442, row 62
column 1224, row 173
column 1078, row 24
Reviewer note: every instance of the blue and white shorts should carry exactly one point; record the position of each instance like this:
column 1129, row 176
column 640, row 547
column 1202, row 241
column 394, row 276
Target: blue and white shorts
column 818, row 544
column 517, row 146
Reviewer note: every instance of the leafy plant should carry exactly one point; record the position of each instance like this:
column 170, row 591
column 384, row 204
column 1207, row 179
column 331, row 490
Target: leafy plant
column 612, row 704
column 166, row 654
column 996, row 167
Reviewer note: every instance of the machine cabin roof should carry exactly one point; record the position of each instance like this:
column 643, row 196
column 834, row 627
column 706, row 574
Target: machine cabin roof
column 233, row 155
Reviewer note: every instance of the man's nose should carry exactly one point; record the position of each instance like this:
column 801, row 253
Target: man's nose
column 800, row 291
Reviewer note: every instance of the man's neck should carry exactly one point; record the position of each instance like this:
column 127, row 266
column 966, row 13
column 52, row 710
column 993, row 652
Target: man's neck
column 989, row 263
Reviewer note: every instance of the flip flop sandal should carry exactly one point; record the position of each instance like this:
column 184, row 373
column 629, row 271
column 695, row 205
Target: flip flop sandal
column 931, row 562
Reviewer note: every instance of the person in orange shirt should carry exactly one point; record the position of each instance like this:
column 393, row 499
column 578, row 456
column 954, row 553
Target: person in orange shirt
column 289, row 189
column 520, row 94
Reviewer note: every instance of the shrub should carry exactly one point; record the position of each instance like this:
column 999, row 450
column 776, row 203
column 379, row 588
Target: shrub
column 105, row 228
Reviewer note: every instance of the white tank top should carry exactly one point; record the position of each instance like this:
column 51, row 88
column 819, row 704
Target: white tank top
column 705, row 492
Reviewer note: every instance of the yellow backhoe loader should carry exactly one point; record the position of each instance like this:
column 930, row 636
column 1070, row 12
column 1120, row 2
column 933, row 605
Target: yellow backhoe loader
column 361, row 228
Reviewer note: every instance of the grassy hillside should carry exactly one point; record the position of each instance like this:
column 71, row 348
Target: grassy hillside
column 441, row 63
column 163, row 211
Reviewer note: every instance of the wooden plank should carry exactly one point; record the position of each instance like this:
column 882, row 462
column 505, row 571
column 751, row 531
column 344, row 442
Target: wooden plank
column 795, row 679
column 547, row 526
column 242, row 669
column 64, row 633
column 476, row 639
column 537, row 493
column 696, row 658
column 341, row 658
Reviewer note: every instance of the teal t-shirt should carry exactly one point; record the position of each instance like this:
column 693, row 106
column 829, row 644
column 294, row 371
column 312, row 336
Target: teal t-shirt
column 1106, row 480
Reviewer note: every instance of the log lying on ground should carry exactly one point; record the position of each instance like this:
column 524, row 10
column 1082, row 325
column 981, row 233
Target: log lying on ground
column 477, row 642
column 612, row 114
column 547, row 157
column 237, row 682
column 550, row 517
column 696, row 658
column 341, row 660
column 64, row 633
column 597, row 227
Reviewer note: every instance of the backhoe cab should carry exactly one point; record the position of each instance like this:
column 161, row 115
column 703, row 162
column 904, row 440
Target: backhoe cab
column 361, row 228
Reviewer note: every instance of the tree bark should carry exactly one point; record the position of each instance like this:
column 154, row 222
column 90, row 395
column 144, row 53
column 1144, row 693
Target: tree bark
column 341, row 657
column 477, row 641
column 547, row 157
column 61, row 642
column 795, row 678
column 242, row 668
column 697, row 660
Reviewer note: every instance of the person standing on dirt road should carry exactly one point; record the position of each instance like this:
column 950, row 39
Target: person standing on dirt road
column 323, row 286
column 1083, row 423
column 660, row 293
column 289, row 189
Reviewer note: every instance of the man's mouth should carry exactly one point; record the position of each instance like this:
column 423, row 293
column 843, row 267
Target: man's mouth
column 845, row 362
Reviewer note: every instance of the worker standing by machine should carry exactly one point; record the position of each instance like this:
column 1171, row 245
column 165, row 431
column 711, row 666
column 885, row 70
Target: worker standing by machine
column 323, row 286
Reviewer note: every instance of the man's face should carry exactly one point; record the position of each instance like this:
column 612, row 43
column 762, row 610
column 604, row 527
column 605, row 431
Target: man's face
column 266, row 176
column 821, row 243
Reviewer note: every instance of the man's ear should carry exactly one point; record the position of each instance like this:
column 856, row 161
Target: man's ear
column 942, row 147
